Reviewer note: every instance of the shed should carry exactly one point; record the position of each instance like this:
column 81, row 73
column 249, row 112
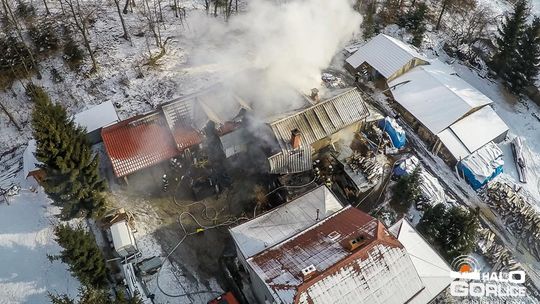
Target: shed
column 482, row 166
column 473, row 132
column 388, row 56
column 95, row 118
column 123, row 241
column 436, row 96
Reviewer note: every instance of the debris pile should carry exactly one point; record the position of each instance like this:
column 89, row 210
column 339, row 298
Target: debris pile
column 370, row 167
column 331, row 81
column 520, row 217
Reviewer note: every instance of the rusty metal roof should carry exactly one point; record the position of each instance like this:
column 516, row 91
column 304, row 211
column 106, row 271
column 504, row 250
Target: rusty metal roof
column 318, row 266
column 138, row 142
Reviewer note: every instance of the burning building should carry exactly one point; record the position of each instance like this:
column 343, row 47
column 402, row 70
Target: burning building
column 314, row 250
column 303, row 133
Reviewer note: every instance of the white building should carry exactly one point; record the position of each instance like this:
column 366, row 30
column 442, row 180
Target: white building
column 313, row 250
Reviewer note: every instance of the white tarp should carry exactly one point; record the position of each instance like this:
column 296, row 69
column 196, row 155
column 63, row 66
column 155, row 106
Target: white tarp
column 435, row 95
column 97, row 117
column 385, row 54
column 121, row 237
column 483, row 162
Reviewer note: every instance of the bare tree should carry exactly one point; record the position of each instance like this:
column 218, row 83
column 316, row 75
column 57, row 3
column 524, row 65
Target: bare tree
column 80, row 21
column 10, row 17
column 454, row 6
column 46, row 7
column 126, row 33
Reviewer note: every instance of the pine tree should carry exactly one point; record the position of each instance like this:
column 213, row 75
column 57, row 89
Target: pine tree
column 453, row 230
column 369, row 23
column 72, row 178
column 417, row 24
column 82, row 254
column 407, row 189
column 510, row 33
column 529, row 59
column 89, row 295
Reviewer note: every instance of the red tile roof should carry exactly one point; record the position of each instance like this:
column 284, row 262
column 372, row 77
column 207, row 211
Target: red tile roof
column 326, row 247
column 138, row 142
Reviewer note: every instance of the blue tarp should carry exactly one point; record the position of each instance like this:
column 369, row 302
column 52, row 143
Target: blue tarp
column 396, row 133
column 482, row 166
column 474, row 181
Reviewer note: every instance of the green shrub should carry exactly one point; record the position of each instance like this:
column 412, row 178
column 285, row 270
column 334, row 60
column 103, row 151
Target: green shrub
column 73, row 54
column 44, row 37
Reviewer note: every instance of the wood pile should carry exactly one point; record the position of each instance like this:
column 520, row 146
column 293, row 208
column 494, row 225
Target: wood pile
column 370, row 167
column 520, row 218
column 497, row 255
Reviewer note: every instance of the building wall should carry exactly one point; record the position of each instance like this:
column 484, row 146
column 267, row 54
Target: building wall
column 345, row 133
column 94, row 137
column 409, row 66
column 259, row 288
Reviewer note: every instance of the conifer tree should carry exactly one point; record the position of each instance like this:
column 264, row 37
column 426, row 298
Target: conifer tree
column 89, row 295
column 454, row 229
column 510, row 33
column 72, row 178
column 529, row 51
column 369, row 22
column 407, row 189
column 418, row 24
column 82, row 254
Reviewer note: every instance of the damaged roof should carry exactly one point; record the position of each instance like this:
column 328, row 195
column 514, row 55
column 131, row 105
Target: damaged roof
column 280, row 223
column 349, row 257
column 314, row 123
column 321, row 120
column 139, row 142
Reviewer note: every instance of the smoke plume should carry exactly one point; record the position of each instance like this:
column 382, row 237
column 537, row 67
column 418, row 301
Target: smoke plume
column 273, row 49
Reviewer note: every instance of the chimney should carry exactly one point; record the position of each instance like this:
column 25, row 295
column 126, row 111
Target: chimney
column 356, row 242
column 314, row 94
column 309, row 272
column 295, row 138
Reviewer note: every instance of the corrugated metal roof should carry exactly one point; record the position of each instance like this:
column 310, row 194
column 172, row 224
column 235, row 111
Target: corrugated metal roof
column 284, row 221
column 385, row 54
column 378, row 271
column 294, row 161
column 321, row 120
column 431, row 267
column 97, row 116
column 233, row 142
column 139, row 142
column 436, row 96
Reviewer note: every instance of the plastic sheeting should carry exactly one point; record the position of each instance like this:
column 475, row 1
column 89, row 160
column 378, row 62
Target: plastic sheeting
column 395, row 131
column 483, row 165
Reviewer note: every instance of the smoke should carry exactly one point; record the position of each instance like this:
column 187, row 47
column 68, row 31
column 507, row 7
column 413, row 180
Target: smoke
column 273, row 50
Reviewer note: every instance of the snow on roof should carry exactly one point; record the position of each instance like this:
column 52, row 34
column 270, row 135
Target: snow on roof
column 138, row 142
column 432, row 269
column 97, row 117
column 319, row 266
column 436, row 96
column 453, row 144
column 284, row 221
column 29, row 158
column 473, row 132
column 385, row 54
column 286, row 162
column 121, row 235
column 484, row 161
column 479, row 128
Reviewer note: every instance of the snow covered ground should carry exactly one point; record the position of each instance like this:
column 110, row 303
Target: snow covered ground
column 26, row 238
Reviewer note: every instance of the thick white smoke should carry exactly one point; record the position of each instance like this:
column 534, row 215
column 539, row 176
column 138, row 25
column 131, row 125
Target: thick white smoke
column 274, row 48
